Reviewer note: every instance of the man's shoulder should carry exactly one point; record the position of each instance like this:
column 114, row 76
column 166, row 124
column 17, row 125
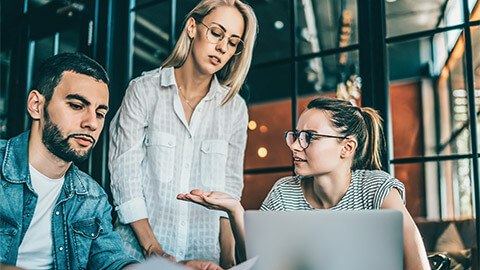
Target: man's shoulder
column 89, row 184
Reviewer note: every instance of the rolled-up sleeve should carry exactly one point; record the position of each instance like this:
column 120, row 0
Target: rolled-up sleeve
column 126, row 153
column 236, row 152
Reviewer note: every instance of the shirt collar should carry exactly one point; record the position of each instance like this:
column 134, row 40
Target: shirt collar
column 15, row 167
column 167, row 79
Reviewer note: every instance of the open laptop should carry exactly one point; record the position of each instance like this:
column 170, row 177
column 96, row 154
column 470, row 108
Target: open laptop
column 325, row 239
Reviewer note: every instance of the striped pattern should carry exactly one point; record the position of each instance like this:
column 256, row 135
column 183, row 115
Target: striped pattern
column 367, row 190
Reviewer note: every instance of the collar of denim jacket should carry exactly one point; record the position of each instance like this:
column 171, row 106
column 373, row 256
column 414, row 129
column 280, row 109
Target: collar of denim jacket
column 15, row 167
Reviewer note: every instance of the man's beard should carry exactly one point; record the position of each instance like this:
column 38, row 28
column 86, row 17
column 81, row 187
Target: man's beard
column 58, row 145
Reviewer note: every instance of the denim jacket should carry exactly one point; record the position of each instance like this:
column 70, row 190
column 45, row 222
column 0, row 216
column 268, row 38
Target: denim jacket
column 82, row 232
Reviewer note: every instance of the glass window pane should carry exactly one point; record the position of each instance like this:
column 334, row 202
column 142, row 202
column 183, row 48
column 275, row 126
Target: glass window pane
column 329, row 74
column 37, row 3
column 266, row 147
column 454, row 198
column 69, row 41
column 408, row 16
column 474, row 10
column 432, row 187
column 43, row 50
column 151, row 39
column 412, row 176
column 273, row 39
column 5, row 68
column 267, row 83
column 257, row 187
column 140, row 3
column 325, row 24
column 429, row 117
column 476, row 69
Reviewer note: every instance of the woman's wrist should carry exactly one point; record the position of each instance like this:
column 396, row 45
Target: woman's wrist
column 236, row 211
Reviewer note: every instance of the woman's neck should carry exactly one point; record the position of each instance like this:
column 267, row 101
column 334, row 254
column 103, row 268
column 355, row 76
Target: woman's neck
column 193, row 84
column 326, row 191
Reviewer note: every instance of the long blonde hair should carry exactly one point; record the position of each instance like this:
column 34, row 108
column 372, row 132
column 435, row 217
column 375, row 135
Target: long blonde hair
column 235, row 71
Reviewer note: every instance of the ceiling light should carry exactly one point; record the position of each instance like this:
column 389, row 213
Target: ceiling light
column 278, row 25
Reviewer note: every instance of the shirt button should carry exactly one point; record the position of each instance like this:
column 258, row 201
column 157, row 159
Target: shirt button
column 60, row 248
column 92, row 234
column 207, row 148
column 187, row 165
column 170, row 143
column 183, row 223
column 57, row 213
column 27, row 214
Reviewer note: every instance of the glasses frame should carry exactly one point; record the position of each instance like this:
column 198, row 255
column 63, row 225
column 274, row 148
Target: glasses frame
column 308, row 137
column 224, row 36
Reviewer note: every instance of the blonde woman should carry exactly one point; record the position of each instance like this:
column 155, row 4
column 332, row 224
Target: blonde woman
column 336, row 149
column 181, row 127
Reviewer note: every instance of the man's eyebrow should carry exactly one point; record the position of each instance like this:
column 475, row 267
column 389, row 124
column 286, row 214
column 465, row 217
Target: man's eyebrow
column 80, row 98
column 85, row 101
column 104, row 107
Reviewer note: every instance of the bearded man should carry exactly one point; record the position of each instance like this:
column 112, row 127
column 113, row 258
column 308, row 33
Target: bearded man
column 52, row 215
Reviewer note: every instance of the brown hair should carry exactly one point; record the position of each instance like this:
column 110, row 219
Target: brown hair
column 365, row 124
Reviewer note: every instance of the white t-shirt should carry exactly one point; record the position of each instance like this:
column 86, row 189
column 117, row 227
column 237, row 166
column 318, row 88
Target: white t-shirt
column 35, row 251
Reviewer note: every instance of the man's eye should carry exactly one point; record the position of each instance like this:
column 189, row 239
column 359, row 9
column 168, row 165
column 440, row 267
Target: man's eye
column 101, row 115
column 75, row 106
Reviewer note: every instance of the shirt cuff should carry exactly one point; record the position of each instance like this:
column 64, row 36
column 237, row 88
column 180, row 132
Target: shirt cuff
column 132, row 210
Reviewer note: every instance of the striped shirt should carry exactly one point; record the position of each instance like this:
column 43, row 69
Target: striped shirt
column 367, row 190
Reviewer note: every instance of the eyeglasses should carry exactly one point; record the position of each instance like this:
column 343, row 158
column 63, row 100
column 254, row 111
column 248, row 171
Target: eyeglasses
column 216, row 34
column 305, row 137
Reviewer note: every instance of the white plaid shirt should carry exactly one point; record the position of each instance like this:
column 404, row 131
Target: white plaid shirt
column 155, row 154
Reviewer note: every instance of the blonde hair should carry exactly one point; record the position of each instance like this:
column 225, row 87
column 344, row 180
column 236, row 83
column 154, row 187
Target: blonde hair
column 235, row 71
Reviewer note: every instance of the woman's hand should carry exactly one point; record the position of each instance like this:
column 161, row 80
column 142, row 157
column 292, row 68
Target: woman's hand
column 157, row 250
column 214, row 200
column 217, row 200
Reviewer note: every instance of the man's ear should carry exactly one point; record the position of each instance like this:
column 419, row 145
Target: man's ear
column 35, row 103
column 191, row 27
column 349, row 147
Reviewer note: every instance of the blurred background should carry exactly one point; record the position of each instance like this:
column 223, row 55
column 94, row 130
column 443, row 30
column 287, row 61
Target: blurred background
column 416, row 62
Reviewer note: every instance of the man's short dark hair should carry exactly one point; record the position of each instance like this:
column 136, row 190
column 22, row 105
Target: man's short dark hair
column 51, row 71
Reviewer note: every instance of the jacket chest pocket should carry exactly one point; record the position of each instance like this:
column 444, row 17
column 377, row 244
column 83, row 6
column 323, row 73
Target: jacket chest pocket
column 7, row 236
column 213, row 160
column 8, row 232
column 160, row 155
column 84, row 233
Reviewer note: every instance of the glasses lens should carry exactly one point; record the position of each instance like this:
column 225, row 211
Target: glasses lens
column 215, row 34
column 236, row 44
column 290, row 138
column 304, row 139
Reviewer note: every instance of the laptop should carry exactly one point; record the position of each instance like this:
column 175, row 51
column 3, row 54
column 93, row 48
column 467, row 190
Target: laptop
column 325, row 239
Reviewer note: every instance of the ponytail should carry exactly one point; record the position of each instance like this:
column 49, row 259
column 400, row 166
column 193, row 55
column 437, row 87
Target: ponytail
column 374, row 144
column 365, row 124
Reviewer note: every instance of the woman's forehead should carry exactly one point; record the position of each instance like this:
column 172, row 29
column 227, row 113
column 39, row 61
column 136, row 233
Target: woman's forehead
column 314, row 119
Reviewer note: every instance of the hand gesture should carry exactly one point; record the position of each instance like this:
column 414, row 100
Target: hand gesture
column 156, row 250
column 214, row 200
